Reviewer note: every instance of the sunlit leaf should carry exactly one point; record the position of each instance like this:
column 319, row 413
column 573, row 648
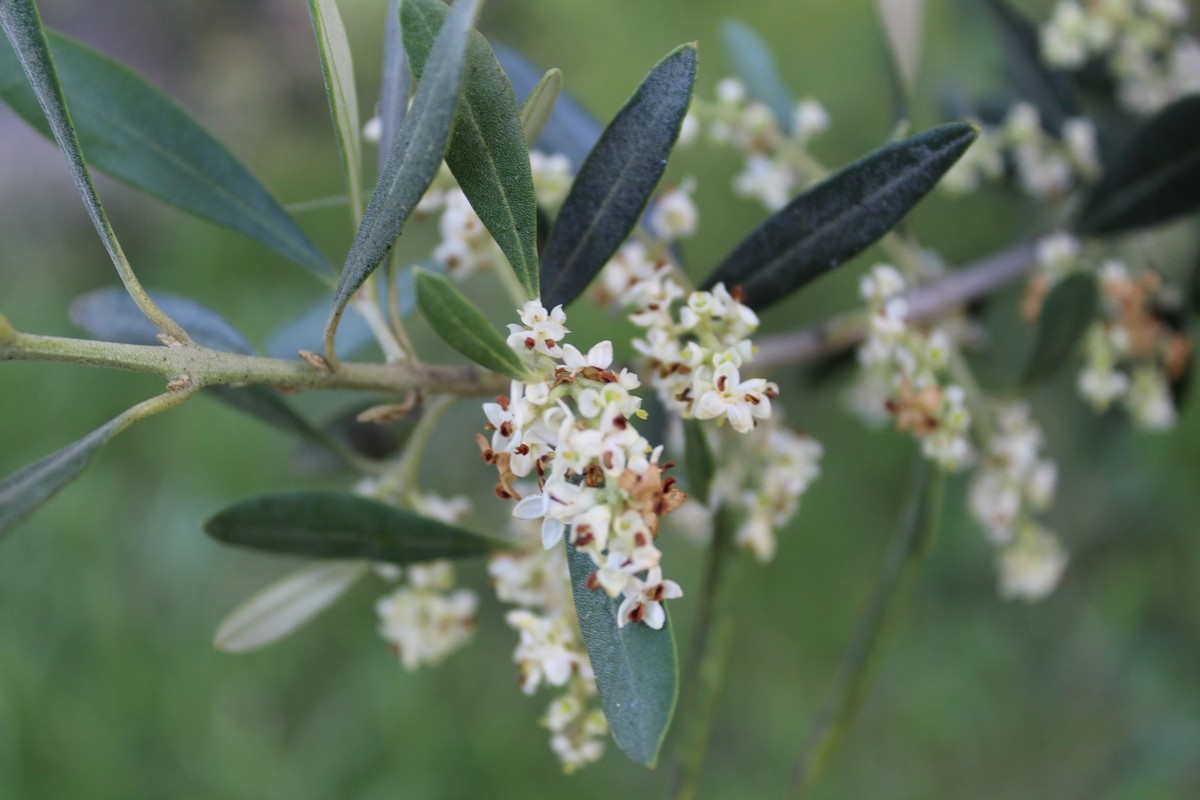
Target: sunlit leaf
column 637, row 671
column 1048, row 90
column 754, row 65
column 538, row 107
column 841, row 216
column 133, row 132
column 487, row 151
column 393, row 92
column 616, row 181
column 413, row 161
column 460, row 324
column 337, row 66
column 1065, row 316
column 571, row 131
column 286, row 604
column 901, row 20
column 699, row 461
column 1156, row 177
column 339, row 525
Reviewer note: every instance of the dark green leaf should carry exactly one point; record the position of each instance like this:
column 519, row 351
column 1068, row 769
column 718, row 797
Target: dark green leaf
column 841, row 216
column 571, row 130
column 393, row 92
column 487, row 151
column 1068, row 311
column 337, row 66
column 753, row 63
column 699, row 461
column 617, row 179
column 460, row 324
column 637, row 671
column 136, row 134
column 326, row 524
column 413, row 162
column 1048, row 90
column 538, row 107
column 28, row 488
column 1155, row 178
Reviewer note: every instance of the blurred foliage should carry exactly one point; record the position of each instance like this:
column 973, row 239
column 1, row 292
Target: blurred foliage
column 109, row 686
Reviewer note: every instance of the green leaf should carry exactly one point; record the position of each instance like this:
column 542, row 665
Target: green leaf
column 1068, row 311
column 616, row 181
column 539, row 105
column 338, row 525
column 1048, row 90
column 413, row 162
column 699, row 461
column 841, row 216
column 460, row 324
column 285, row 605
column 637, row 671
column 910, row 545
column 754, row 65
column 487, row 151
column 370, row 440
column 393, row 92
column 338, row 68
column 1155, row 178
column 901, row 20
column 133, row 132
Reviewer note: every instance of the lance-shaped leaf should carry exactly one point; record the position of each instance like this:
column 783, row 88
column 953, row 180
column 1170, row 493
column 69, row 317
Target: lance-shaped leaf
column 460, row 324
column 1066, row 314
column 616, row 181
column 135, row 133
column 538, row 107
column 487, row 151
column 413, row 162
column 637, row 671
column 901, row 20
column 1155, row 178
column 753, row 63
column 111, row 315
column 1048, row 90
column 338, row 68
column 699, row 461
column 841, row 216
column 393, row 92
column 285, row 605
column 339, row 525
column 571, row 131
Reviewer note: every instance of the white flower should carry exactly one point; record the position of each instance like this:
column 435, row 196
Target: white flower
column 426, row 626
column 1031, row 567
column 809, row 119
column 643, row 599
column 546, row 651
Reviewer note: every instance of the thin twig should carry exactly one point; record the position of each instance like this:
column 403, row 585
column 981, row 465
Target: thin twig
column 955, row 289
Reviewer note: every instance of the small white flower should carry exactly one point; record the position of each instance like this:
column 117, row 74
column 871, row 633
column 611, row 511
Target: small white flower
column 643, row 599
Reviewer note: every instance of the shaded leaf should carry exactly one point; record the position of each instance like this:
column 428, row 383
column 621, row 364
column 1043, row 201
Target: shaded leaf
column 460, row 324
column 538, row 107
column 393, row 92
column 414, row 160
column 754, row 65
column 28, row 488
column 370, row 440
column 637, row 671
column 286, row 604
column 699, row 461
column 1068, row 311
column 1048, row 90
column 487, row 151
column 1154, row 179
column 841, row 216
column 571, row 130
column 326, row 524
column 337, row 67
column 133, row 132
column 901, row 20
column 615, row 182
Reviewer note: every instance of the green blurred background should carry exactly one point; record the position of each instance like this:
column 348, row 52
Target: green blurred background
column 109, row 686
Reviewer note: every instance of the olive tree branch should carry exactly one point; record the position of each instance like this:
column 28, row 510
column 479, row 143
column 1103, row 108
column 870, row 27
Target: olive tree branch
column 924, row 302
column 202, row 366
